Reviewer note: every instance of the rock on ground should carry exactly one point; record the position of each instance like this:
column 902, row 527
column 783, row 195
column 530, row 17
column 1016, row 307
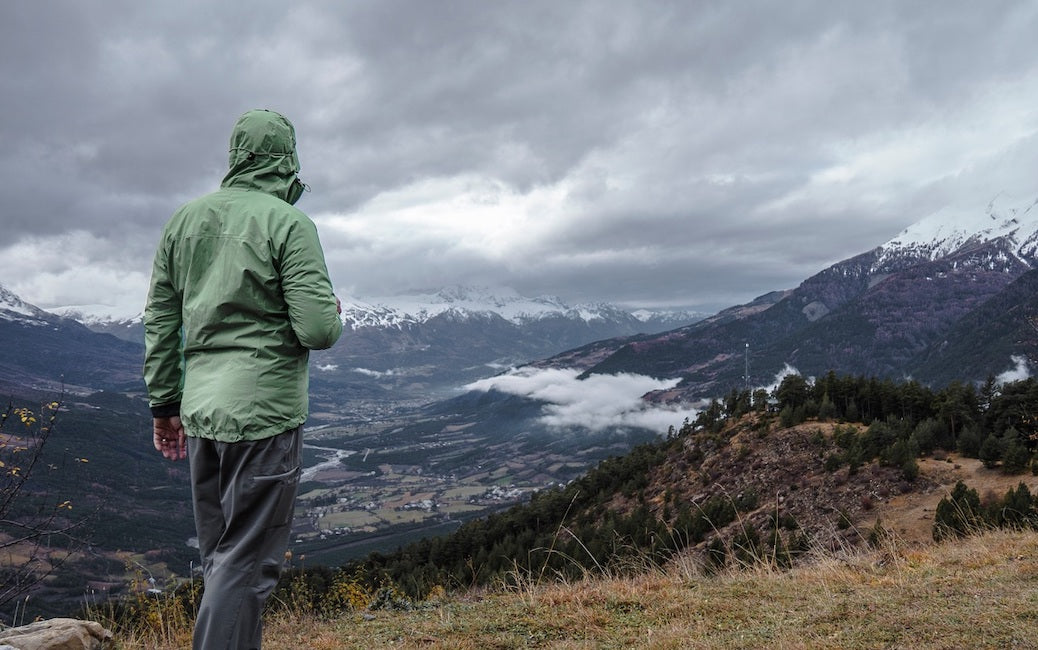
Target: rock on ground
column 56, row 634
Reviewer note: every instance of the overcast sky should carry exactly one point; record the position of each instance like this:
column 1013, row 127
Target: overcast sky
column 644, row 153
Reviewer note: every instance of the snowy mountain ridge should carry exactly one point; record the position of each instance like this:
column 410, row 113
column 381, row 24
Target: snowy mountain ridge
column 97, row 315
column 453, row 306
column 13, row 308
column 945, row 232
column 469, row 301
column 951, row 298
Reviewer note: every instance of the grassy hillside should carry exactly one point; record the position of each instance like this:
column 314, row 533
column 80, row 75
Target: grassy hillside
column 976, row 592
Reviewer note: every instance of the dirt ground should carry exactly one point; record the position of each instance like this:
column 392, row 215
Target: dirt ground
column 911, row 515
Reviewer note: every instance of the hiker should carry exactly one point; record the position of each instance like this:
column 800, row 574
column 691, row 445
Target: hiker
column 239, row 295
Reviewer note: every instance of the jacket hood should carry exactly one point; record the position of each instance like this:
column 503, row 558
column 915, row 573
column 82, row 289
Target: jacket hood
column 263, row 155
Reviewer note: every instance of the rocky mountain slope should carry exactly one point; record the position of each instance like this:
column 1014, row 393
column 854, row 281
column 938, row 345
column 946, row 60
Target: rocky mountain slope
column 42, row 350
column 946, row 287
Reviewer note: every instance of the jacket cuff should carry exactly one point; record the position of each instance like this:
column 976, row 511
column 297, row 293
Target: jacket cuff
column 165, row 410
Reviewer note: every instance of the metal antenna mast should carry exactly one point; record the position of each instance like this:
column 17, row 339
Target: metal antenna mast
column 746, row 377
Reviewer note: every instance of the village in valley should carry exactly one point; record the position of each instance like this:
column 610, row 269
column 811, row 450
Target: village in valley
column 359, row 487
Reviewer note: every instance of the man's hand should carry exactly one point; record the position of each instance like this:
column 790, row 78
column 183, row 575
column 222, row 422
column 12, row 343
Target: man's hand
column 169, row 437
column 338, row 305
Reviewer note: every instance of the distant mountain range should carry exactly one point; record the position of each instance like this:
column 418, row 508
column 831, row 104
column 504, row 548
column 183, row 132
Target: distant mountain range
column 951, row 298
column 406, row 310
column 405, row 347
column 420, row 344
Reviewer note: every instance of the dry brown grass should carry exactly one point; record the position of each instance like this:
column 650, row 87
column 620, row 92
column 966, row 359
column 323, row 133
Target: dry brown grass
column 979, row 592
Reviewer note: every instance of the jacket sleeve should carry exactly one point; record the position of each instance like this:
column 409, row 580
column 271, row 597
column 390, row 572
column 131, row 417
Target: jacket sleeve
column 163, row 369
column 308, row 289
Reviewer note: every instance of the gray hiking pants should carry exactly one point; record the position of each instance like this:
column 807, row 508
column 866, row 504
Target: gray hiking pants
column 244, row 494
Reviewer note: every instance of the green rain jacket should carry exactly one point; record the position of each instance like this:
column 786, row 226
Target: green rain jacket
column 239, row 295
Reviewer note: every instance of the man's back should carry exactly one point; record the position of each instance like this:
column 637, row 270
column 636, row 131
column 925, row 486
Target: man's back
column 242, row 272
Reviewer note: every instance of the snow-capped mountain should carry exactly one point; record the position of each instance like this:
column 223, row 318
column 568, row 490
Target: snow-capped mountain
column 13, row 308
column 1012, row 224
column 461, row 301
column 406, row 310
column 91, row 315
column 457, row 304
column 100, row 318
column 421, row 343
column 42, row 350
column 949, row 298
column 431, row 341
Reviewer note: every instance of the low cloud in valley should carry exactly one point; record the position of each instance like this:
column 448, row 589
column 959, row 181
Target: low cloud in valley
column 596, row 403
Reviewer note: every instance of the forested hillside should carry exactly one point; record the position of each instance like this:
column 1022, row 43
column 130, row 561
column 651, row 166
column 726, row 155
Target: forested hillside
column 755, row 475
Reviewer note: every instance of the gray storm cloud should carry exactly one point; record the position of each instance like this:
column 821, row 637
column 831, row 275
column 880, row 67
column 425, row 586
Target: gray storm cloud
column 670, row 153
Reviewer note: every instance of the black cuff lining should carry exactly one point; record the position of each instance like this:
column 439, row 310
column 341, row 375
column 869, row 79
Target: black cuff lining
column 165, row 410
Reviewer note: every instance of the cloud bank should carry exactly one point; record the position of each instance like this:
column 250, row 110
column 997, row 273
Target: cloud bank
column 597, row 403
